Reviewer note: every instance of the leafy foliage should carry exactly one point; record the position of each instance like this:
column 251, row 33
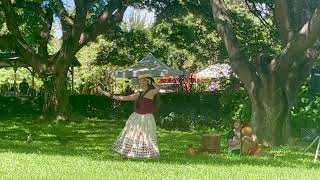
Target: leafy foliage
column 306, row 113
column 185, row 33
column 188, row 37
column 30, row 26
column 124, row 48
column 253, row 36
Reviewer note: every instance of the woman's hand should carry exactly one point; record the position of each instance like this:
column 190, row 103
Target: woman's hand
column 108, row 94
column 104, row 92
column 99, row 89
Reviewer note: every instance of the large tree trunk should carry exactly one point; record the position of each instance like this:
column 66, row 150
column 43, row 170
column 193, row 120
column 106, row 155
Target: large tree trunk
column 273, row 93
column 273, row 83
column 270, row 114
column 56, row 101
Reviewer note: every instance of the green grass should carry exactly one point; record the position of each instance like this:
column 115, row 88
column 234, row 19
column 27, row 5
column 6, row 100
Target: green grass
column 81, row 150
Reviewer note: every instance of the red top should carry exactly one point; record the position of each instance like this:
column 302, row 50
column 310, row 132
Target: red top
column 145, row 106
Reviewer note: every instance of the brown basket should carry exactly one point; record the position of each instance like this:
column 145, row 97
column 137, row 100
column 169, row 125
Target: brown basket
column 212, row 142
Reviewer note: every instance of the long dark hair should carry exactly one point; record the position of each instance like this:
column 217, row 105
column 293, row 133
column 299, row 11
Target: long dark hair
column 156, row 98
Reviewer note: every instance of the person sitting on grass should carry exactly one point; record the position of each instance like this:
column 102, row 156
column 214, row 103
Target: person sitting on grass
column 249, row 145
column 234, row 138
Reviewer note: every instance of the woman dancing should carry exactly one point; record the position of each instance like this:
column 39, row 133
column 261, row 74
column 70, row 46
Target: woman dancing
column 138, row 139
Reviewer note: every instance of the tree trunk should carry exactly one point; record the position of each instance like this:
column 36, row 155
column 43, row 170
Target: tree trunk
column 273, row 83
column 270, row 115
column 56, row 101
column 270, row 119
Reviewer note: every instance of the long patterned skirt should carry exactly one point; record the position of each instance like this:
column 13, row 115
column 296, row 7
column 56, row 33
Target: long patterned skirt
column 138, row 138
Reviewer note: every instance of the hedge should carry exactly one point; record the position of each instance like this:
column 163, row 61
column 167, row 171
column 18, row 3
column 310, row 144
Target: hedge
column 183, row 111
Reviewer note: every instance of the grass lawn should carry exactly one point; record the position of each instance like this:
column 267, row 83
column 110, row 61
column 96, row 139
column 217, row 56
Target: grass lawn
column 84, row 152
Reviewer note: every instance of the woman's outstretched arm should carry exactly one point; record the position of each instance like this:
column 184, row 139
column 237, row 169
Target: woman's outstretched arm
column 131, row 97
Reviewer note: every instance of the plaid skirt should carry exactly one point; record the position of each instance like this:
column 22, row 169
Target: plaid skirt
column 138, row 138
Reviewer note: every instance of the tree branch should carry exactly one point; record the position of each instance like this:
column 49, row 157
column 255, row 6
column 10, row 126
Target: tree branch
column 281, row 17
column 71, row 42
column 47, row 20
column 294, row 52
column 240, row 65
column 13, row 26
column 20, row 45
column 297, row 15
column 310, row 32
column 257, row 13
column 112, row 14
column 66, row 20
column 80, row 19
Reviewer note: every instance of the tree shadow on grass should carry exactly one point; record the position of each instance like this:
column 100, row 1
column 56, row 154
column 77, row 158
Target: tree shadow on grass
column 92, row 138
column 86, row 138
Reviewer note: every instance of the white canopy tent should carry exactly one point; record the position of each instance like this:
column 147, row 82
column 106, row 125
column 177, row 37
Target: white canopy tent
column 149, row 64
column 215, row 71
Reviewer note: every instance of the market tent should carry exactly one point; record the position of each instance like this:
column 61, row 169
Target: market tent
column 149, row 64
column 215, row 71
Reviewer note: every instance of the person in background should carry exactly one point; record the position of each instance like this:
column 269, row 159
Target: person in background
column 13, row 92
column 31, row 91
column 234, row 138
column 23, row 87
column 4, row 89
column 41, row 91
column 249, row 145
